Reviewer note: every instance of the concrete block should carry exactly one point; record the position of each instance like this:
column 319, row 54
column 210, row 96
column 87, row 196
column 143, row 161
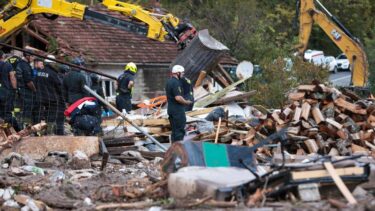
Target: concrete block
column 197, row 182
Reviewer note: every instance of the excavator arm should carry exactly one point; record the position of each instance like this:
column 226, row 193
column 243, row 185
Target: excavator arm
column 343, row 39
column 17, row 13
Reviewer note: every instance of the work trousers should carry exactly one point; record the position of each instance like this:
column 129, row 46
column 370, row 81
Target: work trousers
column 6, row 107
column 26, row 103
column 178, row 122
column 123, row 101
column 53, row 113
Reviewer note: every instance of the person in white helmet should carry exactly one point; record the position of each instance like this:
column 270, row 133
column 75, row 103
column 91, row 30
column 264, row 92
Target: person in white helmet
column 176, row 103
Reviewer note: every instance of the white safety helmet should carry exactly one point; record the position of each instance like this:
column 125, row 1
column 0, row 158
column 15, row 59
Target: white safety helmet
column 50, row 61
column 178, row 69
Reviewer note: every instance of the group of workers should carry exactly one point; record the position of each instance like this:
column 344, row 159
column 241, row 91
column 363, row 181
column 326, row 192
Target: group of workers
column 179, row 93
column 38, row 89
column 43, row 90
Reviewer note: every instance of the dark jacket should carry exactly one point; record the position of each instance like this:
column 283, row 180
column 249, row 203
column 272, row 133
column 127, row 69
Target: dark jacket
column 123, row 82
column 48, row 85
column 73, row 84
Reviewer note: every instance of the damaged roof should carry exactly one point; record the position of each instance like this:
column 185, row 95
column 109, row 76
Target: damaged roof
column 100, row 43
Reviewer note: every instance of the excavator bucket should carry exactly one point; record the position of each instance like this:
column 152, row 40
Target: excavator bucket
column 202, row 53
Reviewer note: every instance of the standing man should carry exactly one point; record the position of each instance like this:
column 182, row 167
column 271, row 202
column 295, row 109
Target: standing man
column 125, row 84
column 49, row 83
column 81, row 62
column 26, row 86
column 49, row 95
column 73, row 86
column 38, row 111
column 8, row 87
column 176, row 103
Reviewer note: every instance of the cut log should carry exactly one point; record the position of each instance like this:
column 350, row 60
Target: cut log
column 276, row 117
column 296, row 96
column 334, row 123
column 310, row 88
column 355, row 136
column 343, row 134
column 297, row 114
column 311, row 145
column 294, row 130
column 285, row 114
column 317, row 114
column 305, row 110
column 350, row 106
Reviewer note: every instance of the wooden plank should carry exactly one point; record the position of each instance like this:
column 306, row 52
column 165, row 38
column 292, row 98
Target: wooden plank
column 340, row 184
column 225, row 73
column 305, row 110
column 340, row 102
column 151, row 122
column 219, row 78
column 218, row 130
column 200, row 111
column 298, row 175
column 212, row 98
column 297, row 114
column 201, row 77
column 317, row 114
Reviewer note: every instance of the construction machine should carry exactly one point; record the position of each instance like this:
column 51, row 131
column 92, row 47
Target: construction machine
column 17, row 13
column 336, row 31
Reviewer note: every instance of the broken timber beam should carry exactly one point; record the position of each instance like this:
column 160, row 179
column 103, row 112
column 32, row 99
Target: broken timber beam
column 340, row 184
column 212, row 98
column 243, row 96
column 124, row 117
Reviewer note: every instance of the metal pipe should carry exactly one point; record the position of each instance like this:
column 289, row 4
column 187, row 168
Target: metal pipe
column 59, row 61
column 124, row 117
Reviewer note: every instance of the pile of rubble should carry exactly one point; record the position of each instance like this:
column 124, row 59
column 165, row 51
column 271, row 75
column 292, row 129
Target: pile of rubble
column 322, row 141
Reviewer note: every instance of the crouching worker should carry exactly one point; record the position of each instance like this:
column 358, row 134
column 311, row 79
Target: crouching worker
column 85, row 117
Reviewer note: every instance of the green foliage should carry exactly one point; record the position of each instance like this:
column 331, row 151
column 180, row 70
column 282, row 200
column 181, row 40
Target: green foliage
column 53, row 45
column 261, row 31
column 274, row 82
column 370, row 43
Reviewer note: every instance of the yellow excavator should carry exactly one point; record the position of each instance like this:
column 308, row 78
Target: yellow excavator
column 157, row 26
column 336, row 31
